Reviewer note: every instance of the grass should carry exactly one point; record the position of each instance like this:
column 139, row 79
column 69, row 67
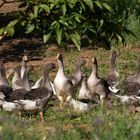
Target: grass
column 107, row 123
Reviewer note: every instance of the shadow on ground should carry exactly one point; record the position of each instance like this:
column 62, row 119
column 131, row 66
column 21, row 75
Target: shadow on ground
column 13, row 49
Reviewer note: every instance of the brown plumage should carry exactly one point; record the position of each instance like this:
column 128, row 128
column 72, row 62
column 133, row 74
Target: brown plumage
column 39, row 93
column 76, row 77
column 97, row 85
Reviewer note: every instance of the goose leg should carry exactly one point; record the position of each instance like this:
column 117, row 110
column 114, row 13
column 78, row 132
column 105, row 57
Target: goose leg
column 41, row 116
column 61, row 101
column 19, row 114
column 102, row 100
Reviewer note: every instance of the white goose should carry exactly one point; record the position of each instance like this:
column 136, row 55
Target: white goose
column 84, row 92
column 62, row 85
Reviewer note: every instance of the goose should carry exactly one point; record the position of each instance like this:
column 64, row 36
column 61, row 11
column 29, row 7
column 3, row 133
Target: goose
column 132, row 83
column 127, row 99
column 34, row 106
column 79, row 106
column 5, row 89
column 77, row 76
column 113, row 78
column 36, row 99
column 62, row 85
column 17, row 81
column 96, row 85
column 37, row 93
column 84, row 92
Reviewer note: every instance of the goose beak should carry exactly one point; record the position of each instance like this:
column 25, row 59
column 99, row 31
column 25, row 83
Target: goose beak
column 25, row 58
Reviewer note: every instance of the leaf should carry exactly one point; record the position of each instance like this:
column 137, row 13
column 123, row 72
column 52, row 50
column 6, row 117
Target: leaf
column 46, row 37
column 82, row 5
column 45, row 7
column 89, row 3
column 98, row 3
column 12, row 23
column 119, row 38
column 30, row 28
column 10, row 27
column 101, row 23
column 63, row 23
column 1, row 31
column 58, row 34
column 92, row 30
column 75, row 37
column 107, row 7
column 54, row 23
column 64, row 9
column 36, row 8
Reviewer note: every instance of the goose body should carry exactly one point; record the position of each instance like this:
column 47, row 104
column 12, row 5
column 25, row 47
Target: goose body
column 97, row 85
column 10, row 106
column 84, row 91
column 79, row 106
column 17, row 81
column 62, row 85
column 127, row 99
column 33, row 105
column 4, row 85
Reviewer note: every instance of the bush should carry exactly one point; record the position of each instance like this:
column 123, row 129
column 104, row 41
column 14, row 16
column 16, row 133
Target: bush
column 70, row 20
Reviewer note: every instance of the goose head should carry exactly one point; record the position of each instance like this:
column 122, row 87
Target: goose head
column 48, row 68
column 81, row 62
column 45, row 80
column 59, row 57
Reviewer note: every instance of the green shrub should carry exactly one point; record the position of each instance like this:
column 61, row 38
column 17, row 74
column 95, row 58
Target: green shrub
column 69, row 20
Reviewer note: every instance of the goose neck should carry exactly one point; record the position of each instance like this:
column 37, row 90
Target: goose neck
column 61, row 68
column 23, row 68
column 95, row 71
column 3, row 79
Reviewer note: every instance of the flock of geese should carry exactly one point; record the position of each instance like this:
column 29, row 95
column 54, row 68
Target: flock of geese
column 25, row 95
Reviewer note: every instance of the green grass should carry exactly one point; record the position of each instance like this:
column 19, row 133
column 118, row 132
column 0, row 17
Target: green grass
column 115, row 122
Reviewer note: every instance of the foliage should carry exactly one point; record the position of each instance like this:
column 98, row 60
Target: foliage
column 69, row 20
